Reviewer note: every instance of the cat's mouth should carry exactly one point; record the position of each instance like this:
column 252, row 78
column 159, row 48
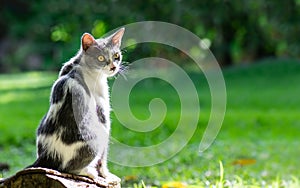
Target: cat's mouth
column 113, row 69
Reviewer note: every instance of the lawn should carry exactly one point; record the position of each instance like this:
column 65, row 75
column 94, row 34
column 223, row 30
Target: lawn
column 257, row 146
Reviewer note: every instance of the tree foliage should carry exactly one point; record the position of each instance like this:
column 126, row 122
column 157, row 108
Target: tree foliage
column 43, row 34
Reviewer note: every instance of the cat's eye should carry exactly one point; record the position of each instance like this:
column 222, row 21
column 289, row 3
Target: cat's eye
column 116, row 56
column 101, row 58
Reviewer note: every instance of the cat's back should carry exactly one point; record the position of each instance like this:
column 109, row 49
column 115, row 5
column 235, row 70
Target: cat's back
column 67, row 105
column 73, row 114
column 59, row 135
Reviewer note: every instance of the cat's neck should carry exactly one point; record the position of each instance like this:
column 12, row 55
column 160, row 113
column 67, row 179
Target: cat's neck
column 96, row 82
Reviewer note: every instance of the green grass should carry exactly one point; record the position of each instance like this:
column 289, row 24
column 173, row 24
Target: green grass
column 261, row 124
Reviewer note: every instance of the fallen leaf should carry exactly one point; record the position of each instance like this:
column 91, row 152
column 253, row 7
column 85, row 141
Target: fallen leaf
column 174, row 184
column 244, row 162
column 130, row 178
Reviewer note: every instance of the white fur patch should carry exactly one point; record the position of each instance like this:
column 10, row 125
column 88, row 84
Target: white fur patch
column 56, row 147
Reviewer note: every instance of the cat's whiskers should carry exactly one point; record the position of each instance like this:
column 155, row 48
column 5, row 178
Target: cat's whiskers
column 124, row 66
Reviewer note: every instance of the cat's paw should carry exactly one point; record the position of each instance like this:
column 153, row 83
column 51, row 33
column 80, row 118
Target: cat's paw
column 109, row 177
column 113, row 180
column 89, row 172
column 102, row 182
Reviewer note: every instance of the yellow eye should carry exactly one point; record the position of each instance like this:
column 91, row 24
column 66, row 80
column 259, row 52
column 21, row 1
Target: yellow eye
column 101, row 58
column 116, row 56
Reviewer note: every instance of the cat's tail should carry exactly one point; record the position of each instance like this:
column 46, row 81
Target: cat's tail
column 35, row 164
column 45, row 162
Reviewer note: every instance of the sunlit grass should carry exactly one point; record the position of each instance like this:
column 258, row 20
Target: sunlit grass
column 23, row 100
column 222, row 182
column 26, row 80
column 261, row 124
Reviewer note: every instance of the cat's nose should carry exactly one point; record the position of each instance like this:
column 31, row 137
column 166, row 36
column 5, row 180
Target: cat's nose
column 112, row 68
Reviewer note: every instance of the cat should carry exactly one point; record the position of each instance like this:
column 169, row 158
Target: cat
column 73, row 136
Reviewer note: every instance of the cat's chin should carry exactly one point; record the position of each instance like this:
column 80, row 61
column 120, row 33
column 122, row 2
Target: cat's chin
column 111, row 73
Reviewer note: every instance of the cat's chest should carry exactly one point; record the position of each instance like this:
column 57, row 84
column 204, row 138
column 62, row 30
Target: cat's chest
column 101, row 109
column 97, row 86
column 99, row 97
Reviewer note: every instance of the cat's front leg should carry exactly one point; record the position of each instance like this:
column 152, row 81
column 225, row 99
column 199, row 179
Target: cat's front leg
column 91, row 172
column 103, row 170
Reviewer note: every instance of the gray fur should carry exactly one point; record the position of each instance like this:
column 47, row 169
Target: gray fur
column 73, row 135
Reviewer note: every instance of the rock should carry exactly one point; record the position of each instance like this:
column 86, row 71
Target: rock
column 42, row 177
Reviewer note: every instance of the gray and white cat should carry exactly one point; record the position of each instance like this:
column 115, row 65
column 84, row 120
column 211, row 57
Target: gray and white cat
column 73, row 136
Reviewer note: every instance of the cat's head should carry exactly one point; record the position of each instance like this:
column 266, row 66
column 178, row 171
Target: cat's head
column 102, row 54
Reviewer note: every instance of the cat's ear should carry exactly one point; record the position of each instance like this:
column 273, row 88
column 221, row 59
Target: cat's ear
column 87, row 40
column 116, row 38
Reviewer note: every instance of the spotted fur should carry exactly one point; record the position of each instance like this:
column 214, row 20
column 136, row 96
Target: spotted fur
column 73, row 136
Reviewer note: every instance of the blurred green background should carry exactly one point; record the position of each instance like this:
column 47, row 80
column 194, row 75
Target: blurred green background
column 257, row 44
column 41, row 35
